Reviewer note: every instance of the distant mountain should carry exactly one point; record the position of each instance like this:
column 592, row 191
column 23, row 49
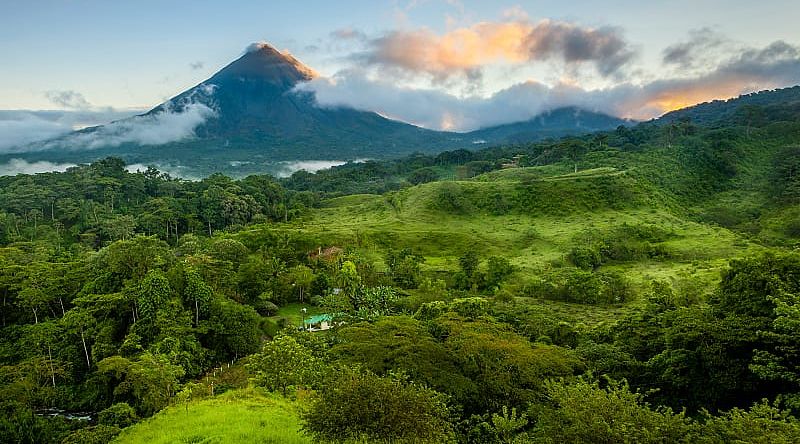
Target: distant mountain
column 247, row 117
column 719, row 112
column 250, row 117
column 258, row 109
column 556, row 123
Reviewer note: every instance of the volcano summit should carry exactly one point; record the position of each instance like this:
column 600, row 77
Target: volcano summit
column 251, row 115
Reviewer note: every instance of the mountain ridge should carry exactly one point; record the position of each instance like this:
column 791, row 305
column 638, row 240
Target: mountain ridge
column 250, row 115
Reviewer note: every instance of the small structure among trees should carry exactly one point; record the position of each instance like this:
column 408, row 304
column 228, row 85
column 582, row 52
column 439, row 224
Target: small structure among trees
column 318, row 323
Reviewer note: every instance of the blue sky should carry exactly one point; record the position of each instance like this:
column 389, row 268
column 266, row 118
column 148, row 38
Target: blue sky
column 134, row 54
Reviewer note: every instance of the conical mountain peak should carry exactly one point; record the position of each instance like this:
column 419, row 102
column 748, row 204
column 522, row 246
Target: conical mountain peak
column 262, row 62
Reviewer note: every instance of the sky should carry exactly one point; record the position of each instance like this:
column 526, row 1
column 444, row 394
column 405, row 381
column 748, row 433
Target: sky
column 444, row 64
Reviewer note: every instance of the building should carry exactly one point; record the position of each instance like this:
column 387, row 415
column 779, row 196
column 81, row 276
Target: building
column 318, row 323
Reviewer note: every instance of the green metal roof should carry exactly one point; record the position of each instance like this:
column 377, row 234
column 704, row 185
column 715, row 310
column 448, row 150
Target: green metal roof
column 318, row 318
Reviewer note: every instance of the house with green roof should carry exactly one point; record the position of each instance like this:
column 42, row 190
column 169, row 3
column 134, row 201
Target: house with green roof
column 318, row 322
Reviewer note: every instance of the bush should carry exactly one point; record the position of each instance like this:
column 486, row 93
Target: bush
column 586, row 413
column 431, row 310
column 99, row 434
column 120, row 415
column 470, row 307
column 581, row 287
column 423, row 175
column 450, row 198
column 586, row 258
column 362, row 407
column 264, row 306
column 595, row 288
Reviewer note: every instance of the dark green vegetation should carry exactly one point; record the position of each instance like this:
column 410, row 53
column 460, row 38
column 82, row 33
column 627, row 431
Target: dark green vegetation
column 638, row 285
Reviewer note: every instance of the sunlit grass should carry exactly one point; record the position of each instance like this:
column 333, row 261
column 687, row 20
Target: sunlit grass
column 293, row 313
column 534, row 243
column 240, row 416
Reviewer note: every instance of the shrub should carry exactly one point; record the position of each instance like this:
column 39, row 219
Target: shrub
column 586, row 258
column 474, row 307
column 120, row 415
column 362, row 407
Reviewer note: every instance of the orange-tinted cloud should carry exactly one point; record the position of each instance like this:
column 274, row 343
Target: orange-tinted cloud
column 466, row 50
column 750, row 69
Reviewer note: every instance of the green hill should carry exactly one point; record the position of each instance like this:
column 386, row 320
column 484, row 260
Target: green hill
column 243, row 416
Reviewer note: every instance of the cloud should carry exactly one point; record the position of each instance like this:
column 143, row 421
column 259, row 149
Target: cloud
column 286, row 169
column 164, row 126
column 703, row 46
column 20, row 166
column 348, row 34
column 24, row 131
column 180, row 171
column 18, row 128
column 465, row 51
column 197, row 65
column 68, row 99
column 776, row 65
column 257, row 46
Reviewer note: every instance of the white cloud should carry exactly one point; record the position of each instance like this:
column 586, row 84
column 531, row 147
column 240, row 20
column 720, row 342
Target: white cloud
column 157, row 128
column 19, row 128
column 25, row 127
column 68, row 99
column 20, row 166
column 286, row 169
column 751, row 69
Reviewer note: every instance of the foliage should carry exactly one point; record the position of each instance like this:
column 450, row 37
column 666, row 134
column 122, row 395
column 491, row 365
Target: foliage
column 118, row 415
column 585, row 412
column 404, row 267
column 354, row 405
column 283, row 363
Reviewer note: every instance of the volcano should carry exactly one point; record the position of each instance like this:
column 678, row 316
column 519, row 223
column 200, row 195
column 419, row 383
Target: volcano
column 253, row 114
column 258, row 110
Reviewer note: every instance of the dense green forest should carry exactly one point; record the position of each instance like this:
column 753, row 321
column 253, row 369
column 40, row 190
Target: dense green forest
column 636, row 285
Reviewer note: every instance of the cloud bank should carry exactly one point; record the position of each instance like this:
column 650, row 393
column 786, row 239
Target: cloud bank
column 24, row 131
column 465, row 51
column 165, row 126
column 712, row 67
column 20, row 166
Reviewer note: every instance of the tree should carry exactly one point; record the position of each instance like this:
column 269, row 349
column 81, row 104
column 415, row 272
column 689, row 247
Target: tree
column 282, row 363
column 404, row 267
column 149, row 381
column 153, row 294
column 197, row 294
column 78, row 320
column 234, row 329
column 348, row 279
column 584, row 412
column 354, row 406
column 372, row 302
column 301, row 278
column 423, row 175
column 762, row 423
column 399, row 343
column 468, row 262
column 498, row 268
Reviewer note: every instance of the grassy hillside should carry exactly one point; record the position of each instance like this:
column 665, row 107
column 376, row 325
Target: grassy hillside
column 235, row 416
column 532, row 216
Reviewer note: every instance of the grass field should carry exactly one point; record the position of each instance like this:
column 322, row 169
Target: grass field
column 293, row 313
column 534, row 241
column 238, row 416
